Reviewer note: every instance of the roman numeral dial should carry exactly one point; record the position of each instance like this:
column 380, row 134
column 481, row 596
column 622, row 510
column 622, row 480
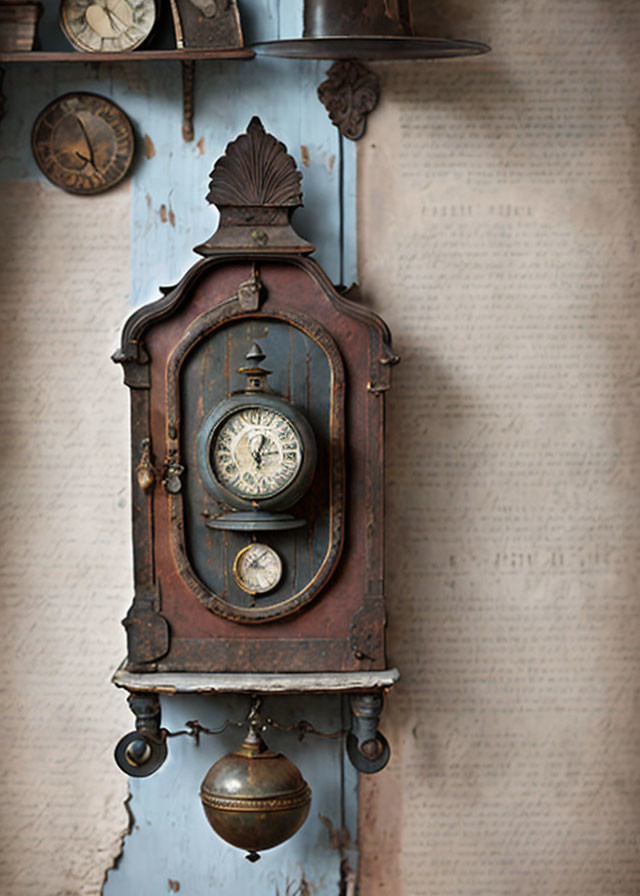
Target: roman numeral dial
column 256, row 452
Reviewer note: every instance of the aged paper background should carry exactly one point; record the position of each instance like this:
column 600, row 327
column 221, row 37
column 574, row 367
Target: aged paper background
column 499, row 221
column 65, row 578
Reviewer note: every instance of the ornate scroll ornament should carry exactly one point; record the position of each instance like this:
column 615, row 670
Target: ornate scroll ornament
column 350, row 92
column 256, row 187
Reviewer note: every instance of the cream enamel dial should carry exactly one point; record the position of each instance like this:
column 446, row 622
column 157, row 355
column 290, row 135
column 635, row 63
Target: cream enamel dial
column 256, row 452
column 257, row 569
column 107, row 25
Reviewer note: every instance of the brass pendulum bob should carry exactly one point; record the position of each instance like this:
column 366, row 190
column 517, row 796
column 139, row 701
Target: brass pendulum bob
column 254, row 798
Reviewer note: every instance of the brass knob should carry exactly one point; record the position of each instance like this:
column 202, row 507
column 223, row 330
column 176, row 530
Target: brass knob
column 145, row 478
column 144, row 471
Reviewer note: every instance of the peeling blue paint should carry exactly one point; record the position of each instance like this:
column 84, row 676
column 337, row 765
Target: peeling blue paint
column 171, row 847
column 171, row 838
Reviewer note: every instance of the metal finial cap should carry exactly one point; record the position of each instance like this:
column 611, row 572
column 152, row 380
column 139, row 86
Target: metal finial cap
column 256, row 375
column 255, row 354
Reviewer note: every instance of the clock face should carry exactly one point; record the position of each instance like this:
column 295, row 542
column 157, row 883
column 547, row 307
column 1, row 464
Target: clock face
column 83, row 143
column 257, row 569
column 109, row 26
column 256, row 452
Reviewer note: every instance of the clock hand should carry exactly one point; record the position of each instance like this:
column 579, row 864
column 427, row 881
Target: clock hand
column 113, row 18
column 89, row 162
column 87, row 141
column 256, row 453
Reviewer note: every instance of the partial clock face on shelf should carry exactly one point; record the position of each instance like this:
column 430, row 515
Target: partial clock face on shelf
column 99, row 26
column 256, row 452
column 83, row 143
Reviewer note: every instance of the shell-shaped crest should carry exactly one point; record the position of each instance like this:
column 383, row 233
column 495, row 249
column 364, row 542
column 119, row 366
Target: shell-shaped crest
column 255, row 170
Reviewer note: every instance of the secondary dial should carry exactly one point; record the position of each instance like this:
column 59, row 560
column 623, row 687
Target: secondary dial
column 256, row 452
column 257, row 569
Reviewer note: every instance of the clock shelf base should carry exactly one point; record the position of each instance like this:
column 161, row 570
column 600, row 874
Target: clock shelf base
column 367, row 749
column 253, row 683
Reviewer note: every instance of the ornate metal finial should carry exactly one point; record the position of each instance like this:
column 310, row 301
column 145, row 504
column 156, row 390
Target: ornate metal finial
column 256, row 187
column 256, row 375
column 256, row 169
column 350, row 92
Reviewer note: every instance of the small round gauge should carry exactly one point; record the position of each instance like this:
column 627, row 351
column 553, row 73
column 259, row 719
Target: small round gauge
column 107, row 26
column 256, row 452
column 83, row 143
column 257, row 569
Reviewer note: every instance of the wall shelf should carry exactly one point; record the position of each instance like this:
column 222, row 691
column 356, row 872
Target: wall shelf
column 190, row 54
column 187, row 56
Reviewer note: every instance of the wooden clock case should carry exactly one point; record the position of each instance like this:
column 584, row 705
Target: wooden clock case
column 330, row 357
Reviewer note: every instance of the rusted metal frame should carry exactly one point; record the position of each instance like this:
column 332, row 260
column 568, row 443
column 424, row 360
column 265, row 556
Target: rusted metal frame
column 141, row 500
column 232, row 310
column 147, row 630
column 240, row 654
column 367, row 625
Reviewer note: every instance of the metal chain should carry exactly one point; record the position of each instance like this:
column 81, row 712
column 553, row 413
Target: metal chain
column 302, row 727
column 195, row 729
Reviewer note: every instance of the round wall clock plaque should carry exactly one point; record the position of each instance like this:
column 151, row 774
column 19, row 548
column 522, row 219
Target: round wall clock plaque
column 83, row 143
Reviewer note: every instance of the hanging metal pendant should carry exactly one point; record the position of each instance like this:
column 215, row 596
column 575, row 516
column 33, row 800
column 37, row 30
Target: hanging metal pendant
column 254, row 798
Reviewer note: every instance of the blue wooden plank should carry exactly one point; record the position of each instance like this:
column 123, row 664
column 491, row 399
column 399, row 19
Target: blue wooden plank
column 171, row 840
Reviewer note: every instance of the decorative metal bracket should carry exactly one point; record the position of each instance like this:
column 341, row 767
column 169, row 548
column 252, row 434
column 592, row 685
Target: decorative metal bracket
column 349, row 94
column 141, row 752
column 367, row 749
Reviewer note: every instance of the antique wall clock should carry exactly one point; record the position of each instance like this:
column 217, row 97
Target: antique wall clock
column 83, row 143
column 257, row 394
column 108, row 26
